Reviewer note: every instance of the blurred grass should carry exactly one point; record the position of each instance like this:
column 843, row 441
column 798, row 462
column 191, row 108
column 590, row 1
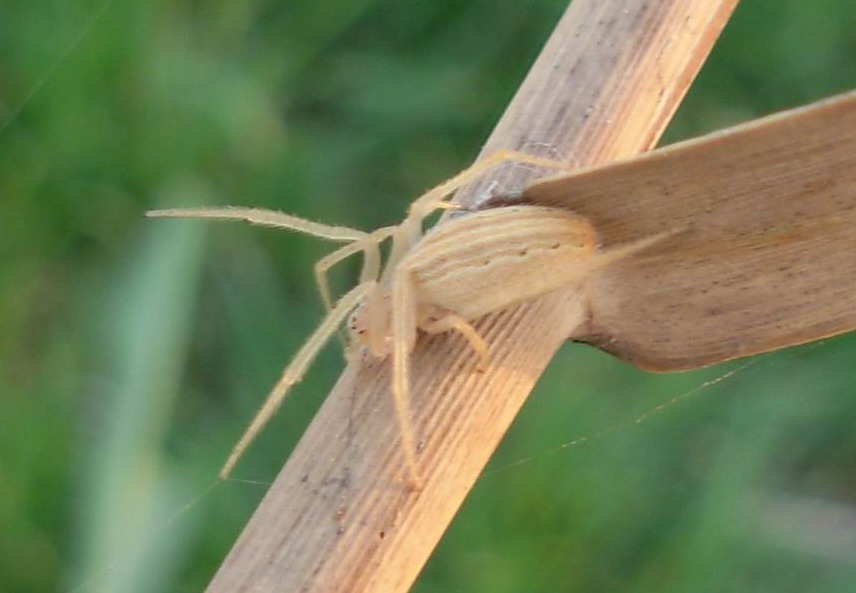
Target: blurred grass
column 132, row 352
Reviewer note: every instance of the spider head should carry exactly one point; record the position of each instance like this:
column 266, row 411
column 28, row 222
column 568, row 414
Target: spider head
column 369, row 326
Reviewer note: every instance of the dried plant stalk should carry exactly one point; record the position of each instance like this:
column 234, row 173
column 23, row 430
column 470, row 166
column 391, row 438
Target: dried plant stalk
column 338, row 517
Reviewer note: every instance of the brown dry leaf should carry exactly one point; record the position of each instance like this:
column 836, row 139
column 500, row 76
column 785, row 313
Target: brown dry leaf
column 765, row 256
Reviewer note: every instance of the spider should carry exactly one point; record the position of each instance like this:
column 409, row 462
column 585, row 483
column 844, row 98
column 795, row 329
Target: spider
column 442, row 281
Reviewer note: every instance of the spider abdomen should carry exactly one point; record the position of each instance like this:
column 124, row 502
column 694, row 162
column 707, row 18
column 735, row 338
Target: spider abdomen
column 492, row 259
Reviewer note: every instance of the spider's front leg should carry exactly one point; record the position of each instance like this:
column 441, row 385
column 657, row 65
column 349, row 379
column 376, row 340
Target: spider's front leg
column 410, row 230
column 263, row 217
column 297, row 368
column 403, row 339
column 369, row 245
column 358, row 240
column 428, row 202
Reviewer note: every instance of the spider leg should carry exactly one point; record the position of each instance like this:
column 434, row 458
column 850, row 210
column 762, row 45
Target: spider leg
column 359, row 240
column 410, row 229
column 296, row 369
column 370, row 270
column 263, row 217
column 371, row 265
column 403, row 338
column 424, row 205
column 450, row 321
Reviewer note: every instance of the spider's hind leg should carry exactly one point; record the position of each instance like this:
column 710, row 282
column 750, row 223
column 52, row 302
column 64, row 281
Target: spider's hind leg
column 448, row 321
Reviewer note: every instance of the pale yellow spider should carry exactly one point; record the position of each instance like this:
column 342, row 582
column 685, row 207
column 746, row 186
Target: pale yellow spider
column 464, row 269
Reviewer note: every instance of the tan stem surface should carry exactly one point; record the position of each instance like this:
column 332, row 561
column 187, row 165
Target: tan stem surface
column 338, row 518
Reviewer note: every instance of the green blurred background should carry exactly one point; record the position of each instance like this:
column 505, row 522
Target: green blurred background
column 133, row 352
